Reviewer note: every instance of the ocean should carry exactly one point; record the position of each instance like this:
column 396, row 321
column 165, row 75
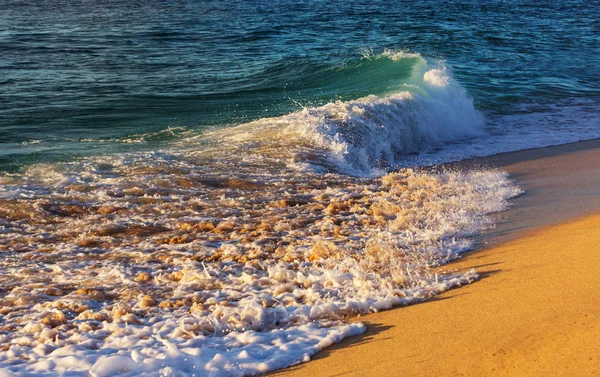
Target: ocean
column 216, row 187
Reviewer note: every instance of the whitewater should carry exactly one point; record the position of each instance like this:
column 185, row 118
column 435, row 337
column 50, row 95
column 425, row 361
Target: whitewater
column 243, row 249
column 224, row 188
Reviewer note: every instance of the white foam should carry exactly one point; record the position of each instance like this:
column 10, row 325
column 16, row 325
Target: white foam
column 437, row 77
column 272, row 288
column 365, row 136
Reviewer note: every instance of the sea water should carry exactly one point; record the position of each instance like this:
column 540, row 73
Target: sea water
column 216, row 188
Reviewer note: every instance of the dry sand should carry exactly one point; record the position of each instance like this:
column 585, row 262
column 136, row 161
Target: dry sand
column 536, row 309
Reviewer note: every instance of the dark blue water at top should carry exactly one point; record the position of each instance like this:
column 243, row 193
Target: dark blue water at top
column 75, row 71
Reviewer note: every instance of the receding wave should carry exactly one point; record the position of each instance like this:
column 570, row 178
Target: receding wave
column 148, row 262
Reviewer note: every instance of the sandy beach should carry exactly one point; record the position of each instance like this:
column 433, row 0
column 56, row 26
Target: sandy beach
column 316, row 188
column 534, row 311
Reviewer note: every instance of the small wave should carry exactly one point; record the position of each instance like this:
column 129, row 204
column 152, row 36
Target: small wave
column 166, row 134
column 366, row 135
column 31, row 142
column 217, row 255
column 390, row 54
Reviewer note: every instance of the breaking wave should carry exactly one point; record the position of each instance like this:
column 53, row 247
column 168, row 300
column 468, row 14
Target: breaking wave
column 425, row 110
column 244, row 249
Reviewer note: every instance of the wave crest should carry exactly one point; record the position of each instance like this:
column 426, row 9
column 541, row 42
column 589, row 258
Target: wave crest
column 366, row 135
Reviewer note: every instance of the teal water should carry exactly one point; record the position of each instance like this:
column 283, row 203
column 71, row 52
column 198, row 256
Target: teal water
column 78, row 78
column 195, row 187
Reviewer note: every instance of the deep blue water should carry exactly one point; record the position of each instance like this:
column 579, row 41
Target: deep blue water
column 77, row 77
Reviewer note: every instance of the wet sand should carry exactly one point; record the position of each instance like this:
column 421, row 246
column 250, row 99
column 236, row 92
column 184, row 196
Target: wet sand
column 535, row 310
column 561, row 183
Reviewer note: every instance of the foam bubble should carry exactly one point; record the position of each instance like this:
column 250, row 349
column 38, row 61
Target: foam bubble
column 365, row 136
column 153, row 264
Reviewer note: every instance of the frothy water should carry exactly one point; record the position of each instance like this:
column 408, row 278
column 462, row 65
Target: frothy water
column 220, row 188
column 364, row 136
column 149, row 264
column 242, row 249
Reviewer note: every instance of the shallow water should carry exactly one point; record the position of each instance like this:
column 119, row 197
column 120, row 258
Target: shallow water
column 194, row 188
column 150, row 267
column 82, row 77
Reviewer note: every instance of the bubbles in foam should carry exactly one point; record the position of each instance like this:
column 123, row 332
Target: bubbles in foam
column 155, row 263
column 368, row 135
column 241, row 250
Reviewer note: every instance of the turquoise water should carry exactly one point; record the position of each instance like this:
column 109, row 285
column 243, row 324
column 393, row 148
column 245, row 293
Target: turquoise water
column 78, row 78
column 194, row 188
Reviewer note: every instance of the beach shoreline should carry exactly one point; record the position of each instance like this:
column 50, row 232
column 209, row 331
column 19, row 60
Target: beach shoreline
column 560, row 183
column 532, row 312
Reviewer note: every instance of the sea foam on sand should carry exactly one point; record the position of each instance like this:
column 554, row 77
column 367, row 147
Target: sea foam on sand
column 137, row 265
column 244, row 249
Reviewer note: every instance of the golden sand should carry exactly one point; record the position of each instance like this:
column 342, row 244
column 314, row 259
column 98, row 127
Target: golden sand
column 536, row 310
column 534, row 313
